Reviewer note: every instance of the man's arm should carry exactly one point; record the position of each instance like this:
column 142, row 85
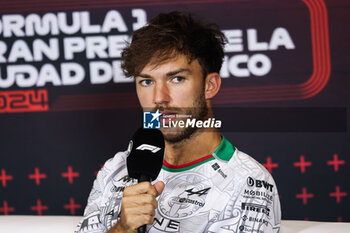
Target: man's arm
column 91, row 221
column 137, row 203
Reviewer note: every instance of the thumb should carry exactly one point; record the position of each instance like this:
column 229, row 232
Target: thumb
column 159, row 186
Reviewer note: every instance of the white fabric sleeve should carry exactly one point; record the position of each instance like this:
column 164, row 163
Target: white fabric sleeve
column 91, row 222
column 253, row 207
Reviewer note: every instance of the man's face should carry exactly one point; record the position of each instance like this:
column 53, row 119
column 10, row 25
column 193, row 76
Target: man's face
column 175, row 87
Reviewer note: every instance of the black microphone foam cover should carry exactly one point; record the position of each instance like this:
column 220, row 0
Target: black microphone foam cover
column 147, row 154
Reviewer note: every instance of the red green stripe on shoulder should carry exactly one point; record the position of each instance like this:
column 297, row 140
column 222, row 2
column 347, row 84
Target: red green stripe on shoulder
column 223, row 152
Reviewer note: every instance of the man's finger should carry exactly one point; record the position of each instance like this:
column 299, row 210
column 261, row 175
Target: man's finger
column 140, row 188
column 136, row 200
column 145, row 209
column 159, row 186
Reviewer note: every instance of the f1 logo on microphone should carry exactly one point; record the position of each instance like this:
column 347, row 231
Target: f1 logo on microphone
column 151, row 120
column 151, row 148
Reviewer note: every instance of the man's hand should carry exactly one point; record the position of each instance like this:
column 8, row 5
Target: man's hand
column 138, row 206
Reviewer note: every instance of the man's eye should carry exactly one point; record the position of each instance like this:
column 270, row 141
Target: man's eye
column 178, row 79
column 145, row 82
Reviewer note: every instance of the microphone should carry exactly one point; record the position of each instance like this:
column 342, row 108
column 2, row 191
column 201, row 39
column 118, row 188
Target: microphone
column 146, row 157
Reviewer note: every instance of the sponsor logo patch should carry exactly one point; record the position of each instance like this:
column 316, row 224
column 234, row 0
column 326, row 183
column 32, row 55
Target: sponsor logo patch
column 259, row 184
column 259, row 195
column 256, row 208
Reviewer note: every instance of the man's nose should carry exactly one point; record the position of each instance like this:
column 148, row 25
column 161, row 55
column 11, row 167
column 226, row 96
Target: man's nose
column 161, row 94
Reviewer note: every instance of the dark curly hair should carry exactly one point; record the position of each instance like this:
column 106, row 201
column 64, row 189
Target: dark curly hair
column 171, row 34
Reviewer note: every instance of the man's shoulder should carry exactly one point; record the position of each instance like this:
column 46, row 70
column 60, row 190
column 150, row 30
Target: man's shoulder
column 113, row 165
column 244, row 166
column 241, row 164
column 247, row 162
column 251, row 171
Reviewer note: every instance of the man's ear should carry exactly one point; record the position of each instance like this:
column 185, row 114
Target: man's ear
column 212, row 85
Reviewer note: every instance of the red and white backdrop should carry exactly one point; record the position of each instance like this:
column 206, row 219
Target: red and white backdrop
column 65, row 107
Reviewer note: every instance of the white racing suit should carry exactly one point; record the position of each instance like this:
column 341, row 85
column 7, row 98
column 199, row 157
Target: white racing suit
column 226, row 192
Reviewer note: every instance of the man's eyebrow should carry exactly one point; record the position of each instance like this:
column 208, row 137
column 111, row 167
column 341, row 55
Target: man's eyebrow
column 169, row 74
column 172, row 73
column 143, row 76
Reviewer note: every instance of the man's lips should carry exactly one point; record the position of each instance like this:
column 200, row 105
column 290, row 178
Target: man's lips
column 168, row 114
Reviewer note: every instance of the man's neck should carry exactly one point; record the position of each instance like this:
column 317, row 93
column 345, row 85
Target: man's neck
column 201, row 143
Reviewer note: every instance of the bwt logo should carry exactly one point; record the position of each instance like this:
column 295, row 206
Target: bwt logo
column 259, row 183
column 151, row 148
column 151, row 120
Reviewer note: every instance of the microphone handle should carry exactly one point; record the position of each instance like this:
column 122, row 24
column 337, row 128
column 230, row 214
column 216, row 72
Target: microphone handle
column 142, row 178
column 141, row 229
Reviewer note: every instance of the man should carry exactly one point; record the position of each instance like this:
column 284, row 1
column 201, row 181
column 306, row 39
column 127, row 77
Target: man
column 206, row 184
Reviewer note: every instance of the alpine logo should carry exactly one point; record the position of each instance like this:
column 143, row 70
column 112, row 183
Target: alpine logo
column 126, row 179
column 259, row 183
column 117, row 189
column 199, row 192
column 151, row 148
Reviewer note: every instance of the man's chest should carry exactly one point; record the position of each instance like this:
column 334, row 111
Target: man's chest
column 187, row 204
